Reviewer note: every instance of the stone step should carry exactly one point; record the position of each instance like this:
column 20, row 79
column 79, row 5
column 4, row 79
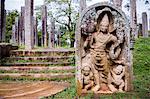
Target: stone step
column 54, row 52
column 38, row 64
column 41, row 58
column 37, row 75
column 37, row 69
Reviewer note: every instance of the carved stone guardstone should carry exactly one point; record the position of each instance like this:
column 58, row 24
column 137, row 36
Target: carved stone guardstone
column 103, row 56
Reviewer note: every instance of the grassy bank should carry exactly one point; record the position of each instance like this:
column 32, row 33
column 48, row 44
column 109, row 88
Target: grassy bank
column 141, row 67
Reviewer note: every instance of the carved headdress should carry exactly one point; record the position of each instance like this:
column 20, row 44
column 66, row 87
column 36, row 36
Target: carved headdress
column 105, row 20
column 104, row 16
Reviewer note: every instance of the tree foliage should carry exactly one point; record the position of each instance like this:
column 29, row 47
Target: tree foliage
column 10, row 20
column 65, row 13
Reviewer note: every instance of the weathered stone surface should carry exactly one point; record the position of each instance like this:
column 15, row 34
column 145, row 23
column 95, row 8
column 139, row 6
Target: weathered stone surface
column 37, row 75
column 32, row 90
column 2, row 20
column 17, row 30
column 43, row 57
column 13, row 35
column 22, row 26
column 82, row 5
column 35, row 32
column 133, row 16
column 59, row 37
column 44, row 26
column 51, row 33
column 144, row 24
column 49, row 36
column 4, row 27
column 103, row 57
column 39, row 64
column 43, row 52
column 139, row 30
column 37, row 68
column 29, row 24
column 117, row 3
column 5, row 49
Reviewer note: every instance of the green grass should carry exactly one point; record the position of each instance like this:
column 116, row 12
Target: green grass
column 141, row 67
column 27, row 79
column 41, row 71
column 69, row 93
column 44, row 60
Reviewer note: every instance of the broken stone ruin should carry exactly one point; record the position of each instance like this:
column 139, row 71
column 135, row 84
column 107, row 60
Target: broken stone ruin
column 103, row 50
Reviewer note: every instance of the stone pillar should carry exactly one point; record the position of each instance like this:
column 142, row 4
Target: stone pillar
column 44, row 26
column 59, row 37
column 117, row 3
column 35, row 32
column 82, row 5
column 133, row 19
column 144, row 24
column 49, row 36
column 20, row 31
column 139, row 30
column 17, row 30
column 51, row 33
column 149, row 24
column 28, row 24
column 2, row 20
column 4, row 27
column 22, row 27
column 13, row 36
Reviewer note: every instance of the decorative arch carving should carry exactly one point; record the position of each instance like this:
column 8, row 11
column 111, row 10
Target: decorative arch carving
column 103, row 56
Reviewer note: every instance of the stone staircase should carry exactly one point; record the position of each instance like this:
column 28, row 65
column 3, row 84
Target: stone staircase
column 39, row 64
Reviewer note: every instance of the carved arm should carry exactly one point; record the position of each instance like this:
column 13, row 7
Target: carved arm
column 114, row 55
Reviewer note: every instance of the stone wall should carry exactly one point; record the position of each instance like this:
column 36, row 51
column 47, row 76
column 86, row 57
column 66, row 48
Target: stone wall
column 5, row 49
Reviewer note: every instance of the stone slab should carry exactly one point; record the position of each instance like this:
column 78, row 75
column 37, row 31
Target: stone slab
column 34, row 90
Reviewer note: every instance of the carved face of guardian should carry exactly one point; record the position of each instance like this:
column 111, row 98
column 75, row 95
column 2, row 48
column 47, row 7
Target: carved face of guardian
column 103, row 28
column 118, row 70
column 104, row 24
column 86, row 71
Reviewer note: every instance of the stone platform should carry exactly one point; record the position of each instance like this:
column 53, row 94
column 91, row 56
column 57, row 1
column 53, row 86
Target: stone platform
column 32, row 90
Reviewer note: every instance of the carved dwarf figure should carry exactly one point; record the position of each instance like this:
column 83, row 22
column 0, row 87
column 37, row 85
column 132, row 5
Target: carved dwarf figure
column 115, row 78
column 88, row 79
